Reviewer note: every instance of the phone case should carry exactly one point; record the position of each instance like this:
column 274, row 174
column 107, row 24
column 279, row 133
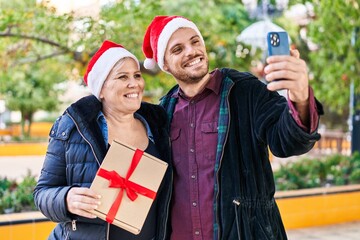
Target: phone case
column 278, row 43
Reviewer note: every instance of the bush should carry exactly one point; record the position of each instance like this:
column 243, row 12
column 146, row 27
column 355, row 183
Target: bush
column 332, row 170
column 17, row 197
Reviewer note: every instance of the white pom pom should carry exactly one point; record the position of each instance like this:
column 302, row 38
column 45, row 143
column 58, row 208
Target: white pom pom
column 149, row 63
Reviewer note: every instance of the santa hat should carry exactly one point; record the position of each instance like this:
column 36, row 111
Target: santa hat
column 101, row 64
column 157, row 37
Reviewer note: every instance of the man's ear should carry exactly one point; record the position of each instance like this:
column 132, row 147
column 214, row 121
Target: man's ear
column 165, row 67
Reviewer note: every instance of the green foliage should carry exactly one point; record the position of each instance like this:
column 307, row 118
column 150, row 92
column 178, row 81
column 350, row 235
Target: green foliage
column 7, row 195
column 24, row 193
column 31, row 88
column 37, row 43
column 32, row 33
column 17, row 197
column 310, row 173
column 34, row 57
column 8, row 202
column 4, row 183
column 337, row 61
column 354, row 175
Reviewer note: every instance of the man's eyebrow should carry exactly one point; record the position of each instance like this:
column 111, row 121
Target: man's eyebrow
column 195, row 36
column 191, row 38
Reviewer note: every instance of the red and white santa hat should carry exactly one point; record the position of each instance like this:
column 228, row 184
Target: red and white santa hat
column 157, row 37
column 101, row 64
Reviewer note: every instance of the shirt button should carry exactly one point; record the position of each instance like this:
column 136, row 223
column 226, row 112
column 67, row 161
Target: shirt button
column 197, row 232
column 194, row 204
column 63, row 133
column 192, row 101
column 191, row 125
column 192, row 150
column 193, row 176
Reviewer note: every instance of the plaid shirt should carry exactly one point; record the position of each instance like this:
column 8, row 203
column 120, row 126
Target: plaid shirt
column 169, row 102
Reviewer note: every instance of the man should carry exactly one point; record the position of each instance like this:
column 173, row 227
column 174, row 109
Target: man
column 222, row 123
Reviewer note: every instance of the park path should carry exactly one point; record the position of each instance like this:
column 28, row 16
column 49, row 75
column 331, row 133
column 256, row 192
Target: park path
column 16, row 167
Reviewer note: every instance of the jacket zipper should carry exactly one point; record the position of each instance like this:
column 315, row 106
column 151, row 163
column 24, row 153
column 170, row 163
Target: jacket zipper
column 82, row 135
column 97, row 160
column 220, row 161
column 168, row 204
column 236, row 203
column 73, row 225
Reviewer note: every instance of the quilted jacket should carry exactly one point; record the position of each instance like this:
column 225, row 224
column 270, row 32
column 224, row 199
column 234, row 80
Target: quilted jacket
column 75, row 151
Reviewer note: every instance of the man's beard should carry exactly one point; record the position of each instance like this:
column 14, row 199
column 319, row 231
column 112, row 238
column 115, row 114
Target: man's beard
column 190, row 77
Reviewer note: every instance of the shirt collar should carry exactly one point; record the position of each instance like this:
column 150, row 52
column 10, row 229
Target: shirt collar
column 213, row 84
column 102, row 121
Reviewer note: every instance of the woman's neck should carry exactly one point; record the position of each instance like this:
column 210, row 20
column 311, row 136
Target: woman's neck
column 127, row 129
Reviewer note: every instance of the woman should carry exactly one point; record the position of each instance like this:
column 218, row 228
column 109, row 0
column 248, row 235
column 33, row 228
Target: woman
column 79, row 140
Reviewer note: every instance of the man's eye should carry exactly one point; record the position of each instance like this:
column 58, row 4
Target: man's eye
column 176, row 50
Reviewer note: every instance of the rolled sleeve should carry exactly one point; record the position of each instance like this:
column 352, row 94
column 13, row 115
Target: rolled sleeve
column 314, row 116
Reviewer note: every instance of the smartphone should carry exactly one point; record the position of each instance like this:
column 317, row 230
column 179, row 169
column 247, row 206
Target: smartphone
column 278, row 43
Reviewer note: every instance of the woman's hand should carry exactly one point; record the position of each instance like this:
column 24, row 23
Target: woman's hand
column 81, row 201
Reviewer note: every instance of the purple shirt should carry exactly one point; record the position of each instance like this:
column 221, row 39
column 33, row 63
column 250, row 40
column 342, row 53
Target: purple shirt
column 194, row 142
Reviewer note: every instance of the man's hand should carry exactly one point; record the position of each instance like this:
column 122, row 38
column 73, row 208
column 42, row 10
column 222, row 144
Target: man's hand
column 289, row 72
column 81, row 201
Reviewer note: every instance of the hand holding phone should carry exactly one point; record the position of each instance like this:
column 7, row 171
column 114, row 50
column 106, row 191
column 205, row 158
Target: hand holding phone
column 278, row 44
column 288, row 71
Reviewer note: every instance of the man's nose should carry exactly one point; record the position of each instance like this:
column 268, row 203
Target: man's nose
column 190, row 50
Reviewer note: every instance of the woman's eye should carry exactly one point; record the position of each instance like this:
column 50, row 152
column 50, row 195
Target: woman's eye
column 122, row 77
column 137, row 76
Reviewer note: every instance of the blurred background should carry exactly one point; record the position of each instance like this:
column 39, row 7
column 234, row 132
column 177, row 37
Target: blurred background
column 45, row 46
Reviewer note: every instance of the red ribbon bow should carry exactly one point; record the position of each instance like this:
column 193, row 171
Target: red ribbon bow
column 132, row 189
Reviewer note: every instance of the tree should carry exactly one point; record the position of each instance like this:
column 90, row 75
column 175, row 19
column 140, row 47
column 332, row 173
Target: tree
column 336, row 62
column 334, row 65
column 31, row 88
column 37, row 53
column 35, row 35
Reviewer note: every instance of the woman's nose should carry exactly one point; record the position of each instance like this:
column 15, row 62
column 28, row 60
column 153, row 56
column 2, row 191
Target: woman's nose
column 133, row 83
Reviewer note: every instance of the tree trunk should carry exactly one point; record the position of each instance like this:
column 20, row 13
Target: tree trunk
column 28, row 133
column 26, row 121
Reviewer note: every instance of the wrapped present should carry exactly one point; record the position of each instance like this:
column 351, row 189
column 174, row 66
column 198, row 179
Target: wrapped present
column 127, row 180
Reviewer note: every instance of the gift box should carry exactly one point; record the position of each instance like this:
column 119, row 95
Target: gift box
column 127, row 180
